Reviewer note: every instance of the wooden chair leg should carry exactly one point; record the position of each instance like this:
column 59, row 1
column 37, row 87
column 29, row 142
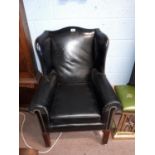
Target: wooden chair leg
column 105, row 138
column 45, row 134
column 47, row 140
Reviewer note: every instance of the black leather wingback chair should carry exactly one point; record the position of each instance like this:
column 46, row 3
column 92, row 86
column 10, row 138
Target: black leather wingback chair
column 74, row 93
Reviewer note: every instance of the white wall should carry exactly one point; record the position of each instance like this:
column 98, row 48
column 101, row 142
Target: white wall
column 114, row 17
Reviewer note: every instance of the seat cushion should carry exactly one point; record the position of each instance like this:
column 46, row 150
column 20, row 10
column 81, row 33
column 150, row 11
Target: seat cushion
column 74, row 103
column 126, row 95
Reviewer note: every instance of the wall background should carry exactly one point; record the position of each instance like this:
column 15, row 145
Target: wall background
column 114, row 17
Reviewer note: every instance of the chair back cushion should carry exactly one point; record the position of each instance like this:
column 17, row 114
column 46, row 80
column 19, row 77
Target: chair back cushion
column 70, row 52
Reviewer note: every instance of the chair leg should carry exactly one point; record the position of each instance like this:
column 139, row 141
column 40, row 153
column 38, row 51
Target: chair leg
column 45, row 134
column 47, row 140
column 105, row 137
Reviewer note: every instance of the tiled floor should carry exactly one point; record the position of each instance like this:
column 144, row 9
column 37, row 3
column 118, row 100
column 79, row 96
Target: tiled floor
column 74, row 143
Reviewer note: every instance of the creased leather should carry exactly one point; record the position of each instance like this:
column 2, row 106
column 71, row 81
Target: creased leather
column 72, row 53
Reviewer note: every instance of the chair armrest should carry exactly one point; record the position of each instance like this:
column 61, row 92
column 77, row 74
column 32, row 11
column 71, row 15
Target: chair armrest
column 106, row 95
column 104, row 90
column 43, row 95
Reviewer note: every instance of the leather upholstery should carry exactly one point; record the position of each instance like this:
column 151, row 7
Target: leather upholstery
column 43, row 96
column 103, row 90
column 72, row 53
column 75, row 126
column 75, row 92
column 81, row 104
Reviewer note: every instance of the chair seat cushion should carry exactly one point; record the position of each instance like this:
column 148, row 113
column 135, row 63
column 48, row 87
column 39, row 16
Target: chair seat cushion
column 126, row 95
column 74, row 103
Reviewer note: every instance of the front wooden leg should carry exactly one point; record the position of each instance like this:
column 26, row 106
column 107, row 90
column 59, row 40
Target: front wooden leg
column 105, row 138
column 45, row 133
column 47, row 140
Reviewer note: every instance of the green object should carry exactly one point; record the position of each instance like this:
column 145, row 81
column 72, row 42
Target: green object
column 126, row 95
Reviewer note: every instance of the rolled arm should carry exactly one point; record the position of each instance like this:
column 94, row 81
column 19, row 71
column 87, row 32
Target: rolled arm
column 106, row 94
column 44, row 93
column 104, row 89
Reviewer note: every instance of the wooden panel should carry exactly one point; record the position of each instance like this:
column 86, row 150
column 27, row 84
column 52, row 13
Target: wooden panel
column 25, row 97
column 27, row 76
column 24, row 51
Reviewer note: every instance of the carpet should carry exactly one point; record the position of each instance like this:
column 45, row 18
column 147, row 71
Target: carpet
column 73, row 143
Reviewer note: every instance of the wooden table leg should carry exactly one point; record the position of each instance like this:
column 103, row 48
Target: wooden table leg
column 119, row 126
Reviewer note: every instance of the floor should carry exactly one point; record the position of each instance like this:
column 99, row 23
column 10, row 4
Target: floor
column 73, row 143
